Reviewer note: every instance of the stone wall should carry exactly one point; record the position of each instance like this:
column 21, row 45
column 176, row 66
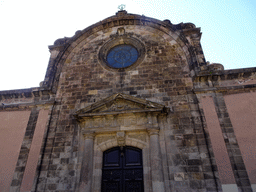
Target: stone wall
column 164, row 77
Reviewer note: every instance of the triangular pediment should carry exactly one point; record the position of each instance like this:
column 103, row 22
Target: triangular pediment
column 120, row 103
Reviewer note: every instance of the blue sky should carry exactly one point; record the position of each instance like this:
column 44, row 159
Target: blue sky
column 29, row 26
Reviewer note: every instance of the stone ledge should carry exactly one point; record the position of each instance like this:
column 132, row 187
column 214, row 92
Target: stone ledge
column 227, row 72
column 219, row 89
column 24, row 106
column 24, row 93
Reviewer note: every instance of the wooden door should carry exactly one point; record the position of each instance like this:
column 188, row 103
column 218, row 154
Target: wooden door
column 122, row 170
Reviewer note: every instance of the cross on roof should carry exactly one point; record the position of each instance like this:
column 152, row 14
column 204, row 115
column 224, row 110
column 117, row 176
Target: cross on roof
column 121, row 7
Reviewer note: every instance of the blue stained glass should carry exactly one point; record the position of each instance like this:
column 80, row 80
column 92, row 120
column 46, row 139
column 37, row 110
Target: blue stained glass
column 122, row 56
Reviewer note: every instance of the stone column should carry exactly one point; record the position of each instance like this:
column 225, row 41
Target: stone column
column 87, row 163
column 156, row 161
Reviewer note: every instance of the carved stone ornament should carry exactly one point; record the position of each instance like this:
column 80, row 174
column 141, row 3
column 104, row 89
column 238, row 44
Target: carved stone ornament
column 88, row 134
column 120, row 138
column 120, row 112
column 121, row 31
column 153, row 131
column 141, row 137
column 120, row 103
column 102, row 139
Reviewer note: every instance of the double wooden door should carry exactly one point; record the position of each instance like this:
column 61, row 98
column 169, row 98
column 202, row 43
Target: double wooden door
column 122, row 170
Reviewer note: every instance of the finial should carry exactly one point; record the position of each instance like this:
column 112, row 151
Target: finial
column 121, row 7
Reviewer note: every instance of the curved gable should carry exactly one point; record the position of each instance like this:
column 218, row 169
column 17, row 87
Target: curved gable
column 186, row 38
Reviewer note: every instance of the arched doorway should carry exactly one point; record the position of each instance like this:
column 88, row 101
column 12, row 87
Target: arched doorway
column 122, row 170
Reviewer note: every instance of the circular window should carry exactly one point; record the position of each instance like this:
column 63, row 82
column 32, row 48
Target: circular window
column 122, row 56
column 121, row 53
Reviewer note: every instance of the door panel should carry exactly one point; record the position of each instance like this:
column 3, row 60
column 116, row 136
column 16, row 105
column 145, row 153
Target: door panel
column 122, row 170
column 133, row 158
column 112, row 159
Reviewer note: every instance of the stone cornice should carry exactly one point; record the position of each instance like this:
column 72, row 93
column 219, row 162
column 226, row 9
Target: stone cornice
column 126, row 19
column 243, row 71
column 225, row 89
column 210, row 80
column 31, row 92
column 22, row 99
column 24, row 106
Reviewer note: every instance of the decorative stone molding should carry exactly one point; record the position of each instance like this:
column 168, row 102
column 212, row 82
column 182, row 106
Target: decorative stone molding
column 121, row 31
column 102, row 139
column 128, row 142
column 88, row 135
column 141, row 137
column 152, row 119
column 120, row 104
column 120, row 138
column 153, row 131
column 98, row 159
column 120, row 112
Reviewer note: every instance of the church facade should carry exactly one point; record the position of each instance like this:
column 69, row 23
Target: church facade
column 130, row 104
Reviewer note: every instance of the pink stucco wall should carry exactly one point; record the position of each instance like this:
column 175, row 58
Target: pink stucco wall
column 12, row 129
column 242, row 112
column 219, row 148
column 34, row 152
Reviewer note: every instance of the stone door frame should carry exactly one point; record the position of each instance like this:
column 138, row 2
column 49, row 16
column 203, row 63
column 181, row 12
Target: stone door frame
column 120, row 120
column 98, row 159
